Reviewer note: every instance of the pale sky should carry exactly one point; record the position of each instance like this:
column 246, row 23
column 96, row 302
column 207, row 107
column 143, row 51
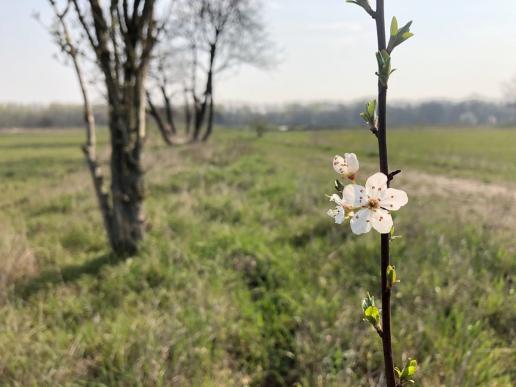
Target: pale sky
column 461, row 48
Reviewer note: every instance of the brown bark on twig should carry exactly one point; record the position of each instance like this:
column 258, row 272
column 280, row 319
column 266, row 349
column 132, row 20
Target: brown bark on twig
column 385, row 238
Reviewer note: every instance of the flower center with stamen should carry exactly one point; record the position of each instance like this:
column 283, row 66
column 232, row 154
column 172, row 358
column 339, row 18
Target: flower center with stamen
column 373, row 203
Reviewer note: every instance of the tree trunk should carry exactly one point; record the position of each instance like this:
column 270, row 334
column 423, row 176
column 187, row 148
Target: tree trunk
column 127, row 192
column 169, row 111
column 201, row 111
column 124, row 69
column 209, row 127
column 188, row 113
column 198, row 119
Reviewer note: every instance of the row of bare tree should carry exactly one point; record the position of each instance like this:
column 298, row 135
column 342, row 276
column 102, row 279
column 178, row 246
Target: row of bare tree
column 204, row 38
column 121, row 43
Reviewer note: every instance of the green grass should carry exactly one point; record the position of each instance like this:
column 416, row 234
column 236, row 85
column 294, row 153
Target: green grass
column 242, row 278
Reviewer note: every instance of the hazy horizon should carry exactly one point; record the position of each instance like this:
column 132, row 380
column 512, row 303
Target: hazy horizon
column 322, row 51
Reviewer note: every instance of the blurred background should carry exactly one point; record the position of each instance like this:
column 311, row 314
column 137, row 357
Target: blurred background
column 239, row 277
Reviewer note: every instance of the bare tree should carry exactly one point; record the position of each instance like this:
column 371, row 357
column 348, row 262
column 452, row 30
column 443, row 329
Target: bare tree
column 121, row 36
column 212, row 36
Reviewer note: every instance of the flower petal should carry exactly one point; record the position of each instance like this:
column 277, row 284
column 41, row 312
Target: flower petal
column 337, row 200
column 339, row 165
column 393, row 199
column 376, row 185
column 337, row 214
column 381, row 220
column 360, row 223
column 352, row 162
column 354, row 195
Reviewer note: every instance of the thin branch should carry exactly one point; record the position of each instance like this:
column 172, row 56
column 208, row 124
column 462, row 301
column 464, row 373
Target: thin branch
column 164, row 129
column 391, row 175
column 84, row 24
column 384, row 238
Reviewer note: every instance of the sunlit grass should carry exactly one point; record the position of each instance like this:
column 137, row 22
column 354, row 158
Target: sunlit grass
column 242, row 278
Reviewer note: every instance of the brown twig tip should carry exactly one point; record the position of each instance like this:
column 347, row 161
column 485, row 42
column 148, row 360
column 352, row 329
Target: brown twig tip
column 374, row 130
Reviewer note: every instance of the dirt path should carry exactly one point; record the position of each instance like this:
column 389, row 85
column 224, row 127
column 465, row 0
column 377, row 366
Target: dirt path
column 490, row 205
column 441, row 185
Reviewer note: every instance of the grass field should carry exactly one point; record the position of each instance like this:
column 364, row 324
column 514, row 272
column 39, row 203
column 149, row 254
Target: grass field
column 243, row 279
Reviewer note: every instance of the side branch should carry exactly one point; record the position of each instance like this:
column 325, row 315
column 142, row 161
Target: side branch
column 163, row 127
column 365, row 5
column 98, row 184
column 391, row 175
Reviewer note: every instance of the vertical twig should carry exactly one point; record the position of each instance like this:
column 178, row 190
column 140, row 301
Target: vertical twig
column 384, row 168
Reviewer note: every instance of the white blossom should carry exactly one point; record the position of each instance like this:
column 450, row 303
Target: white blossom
column 370, row 206
column 347, row 166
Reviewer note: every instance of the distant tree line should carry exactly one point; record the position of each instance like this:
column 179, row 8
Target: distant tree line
column 338, row 115
column 47, row 116
column 294, row 116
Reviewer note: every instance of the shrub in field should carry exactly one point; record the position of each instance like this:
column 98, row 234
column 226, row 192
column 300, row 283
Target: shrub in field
column 370, row 206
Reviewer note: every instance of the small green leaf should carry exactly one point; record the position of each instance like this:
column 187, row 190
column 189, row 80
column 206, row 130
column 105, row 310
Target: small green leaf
column 369, row 114
column 384, row 66
column 407, row 35
column 372, row 314
column 412, row 368
column 409, row 370
column 391, row 276
column 371, row 108
column 394, row 26
column 399, row 36
column 367, row 302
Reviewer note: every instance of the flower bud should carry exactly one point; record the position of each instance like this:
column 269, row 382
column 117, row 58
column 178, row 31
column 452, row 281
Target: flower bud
column 391, row 276
column 347, row 166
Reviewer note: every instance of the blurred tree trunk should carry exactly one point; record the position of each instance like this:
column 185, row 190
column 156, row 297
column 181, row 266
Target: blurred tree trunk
column 188, row 113
column 169, row 110
column 198, row 118
column 122, row 45
column 201, row 111
column 209, row 125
